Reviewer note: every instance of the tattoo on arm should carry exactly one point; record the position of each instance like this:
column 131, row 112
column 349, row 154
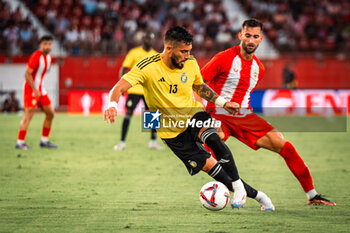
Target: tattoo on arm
column 205, row 92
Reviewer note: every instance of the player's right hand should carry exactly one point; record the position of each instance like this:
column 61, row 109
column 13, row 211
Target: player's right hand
column 36, row 93
column 109, row 115
column 232, row 107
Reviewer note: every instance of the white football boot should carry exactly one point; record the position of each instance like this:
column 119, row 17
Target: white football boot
column 120, row 146
column 239, row 196
column 154, row 145
column 265, row 202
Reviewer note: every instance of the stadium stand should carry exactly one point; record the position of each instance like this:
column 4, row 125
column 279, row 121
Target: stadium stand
column 112, row 27
column 98, row 27
column 304, row 26
column 17, row 34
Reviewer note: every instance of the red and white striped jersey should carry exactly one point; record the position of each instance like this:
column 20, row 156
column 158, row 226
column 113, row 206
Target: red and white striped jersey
column 40, row 65
column 232, row 77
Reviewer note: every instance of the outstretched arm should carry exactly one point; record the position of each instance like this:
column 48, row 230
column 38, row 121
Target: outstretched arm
column 111, row 112
column 209, row 95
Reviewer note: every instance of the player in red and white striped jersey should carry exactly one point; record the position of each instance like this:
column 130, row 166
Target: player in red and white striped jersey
column 35, row 95
column 234, row 74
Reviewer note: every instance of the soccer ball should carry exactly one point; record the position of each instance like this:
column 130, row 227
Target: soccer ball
column 214, row 195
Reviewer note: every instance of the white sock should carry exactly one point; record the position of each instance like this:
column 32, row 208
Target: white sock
column 237, row 185
column 259, row 196
column 20, row 142
column 44, row 139
column 311, row 194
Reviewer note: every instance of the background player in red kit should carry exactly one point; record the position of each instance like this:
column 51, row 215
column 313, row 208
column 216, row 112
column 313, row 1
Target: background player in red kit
column 234, row 74
column 35, row 94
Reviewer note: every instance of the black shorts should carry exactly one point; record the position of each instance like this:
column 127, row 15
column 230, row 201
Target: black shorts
column 188, row 147
column 132, row 101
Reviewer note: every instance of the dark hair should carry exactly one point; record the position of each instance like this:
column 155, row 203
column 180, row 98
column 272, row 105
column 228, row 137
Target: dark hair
column 46, row 37
column 178, row 34
column 252, row 23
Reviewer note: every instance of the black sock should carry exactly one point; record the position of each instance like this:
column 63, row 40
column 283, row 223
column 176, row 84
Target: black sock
column 225, row 159
column 125, row 126
column 153, row 134
column 251, row 192
column 219, row 174
column 221, row 151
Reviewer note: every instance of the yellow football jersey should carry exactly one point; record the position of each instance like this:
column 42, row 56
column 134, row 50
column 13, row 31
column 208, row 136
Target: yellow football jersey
column 169, row 91
column 135, row 55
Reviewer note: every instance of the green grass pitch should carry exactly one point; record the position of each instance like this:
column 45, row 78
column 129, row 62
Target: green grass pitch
column 85, row 186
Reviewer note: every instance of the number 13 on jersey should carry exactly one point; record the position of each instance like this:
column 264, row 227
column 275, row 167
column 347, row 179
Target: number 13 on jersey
column 173, row 88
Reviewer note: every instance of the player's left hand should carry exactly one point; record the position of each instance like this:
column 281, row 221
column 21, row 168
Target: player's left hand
column 109, row 114
column 232, row 107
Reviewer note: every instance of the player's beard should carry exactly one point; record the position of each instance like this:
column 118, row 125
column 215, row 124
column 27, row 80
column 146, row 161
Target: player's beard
column 177, row 65
column 46, row 51
column 247, row 50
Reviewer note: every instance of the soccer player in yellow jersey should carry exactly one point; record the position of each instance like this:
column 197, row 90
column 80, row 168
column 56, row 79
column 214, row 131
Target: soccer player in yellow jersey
column 168, row 80
column 135, row 94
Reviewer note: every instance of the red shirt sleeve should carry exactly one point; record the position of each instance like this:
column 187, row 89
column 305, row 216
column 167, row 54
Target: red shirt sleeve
column 213, row 68
column 261, row 70
column 34, row 60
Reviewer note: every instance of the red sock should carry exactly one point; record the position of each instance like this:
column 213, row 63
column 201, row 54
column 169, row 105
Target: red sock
column 46, row 132
column 297, row 166
column 22, row 135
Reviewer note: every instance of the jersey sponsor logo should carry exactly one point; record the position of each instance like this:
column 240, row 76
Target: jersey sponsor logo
column 145, row 62
column 161, row 80
column 151, row 120
column 184, row 77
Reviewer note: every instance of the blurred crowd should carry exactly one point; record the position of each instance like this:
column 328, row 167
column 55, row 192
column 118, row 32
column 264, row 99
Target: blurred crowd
column 17, row 36
column 109, row 27
column 114, row 26
column 305, row 26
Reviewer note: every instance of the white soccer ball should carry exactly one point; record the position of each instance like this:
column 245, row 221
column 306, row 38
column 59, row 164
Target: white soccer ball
column 214, row 195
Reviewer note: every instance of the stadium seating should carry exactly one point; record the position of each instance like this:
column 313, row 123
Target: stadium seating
column 304, row 26
column 91, row 27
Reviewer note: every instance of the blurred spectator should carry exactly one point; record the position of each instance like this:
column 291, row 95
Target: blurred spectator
column 289, row 81
column 304, row 26
column 26, row 38
column 11, row 104
column 72, row 40
column 11, row 37
column 291, row 25
column 110, row 27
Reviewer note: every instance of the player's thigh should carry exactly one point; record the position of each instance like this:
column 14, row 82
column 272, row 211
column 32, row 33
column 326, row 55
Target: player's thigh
column 189, row 151
column 131, row 103
column 273, row 141
column 29, row 113
column 46, row 106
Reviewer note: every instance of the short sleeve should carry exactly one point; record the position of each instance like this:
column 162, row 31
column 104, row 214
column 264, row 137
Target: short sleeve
column 129, row 60
column 134, row 76
column 198, row 80
column 261, row 70
column 213, row 68
column 34, row 60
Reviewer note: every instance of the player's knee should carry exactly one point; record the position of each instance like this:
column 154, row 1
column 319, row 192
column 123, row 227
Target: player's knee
column 209, row 164
column 50, row 115
column 128, row 115
column 278, row 143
